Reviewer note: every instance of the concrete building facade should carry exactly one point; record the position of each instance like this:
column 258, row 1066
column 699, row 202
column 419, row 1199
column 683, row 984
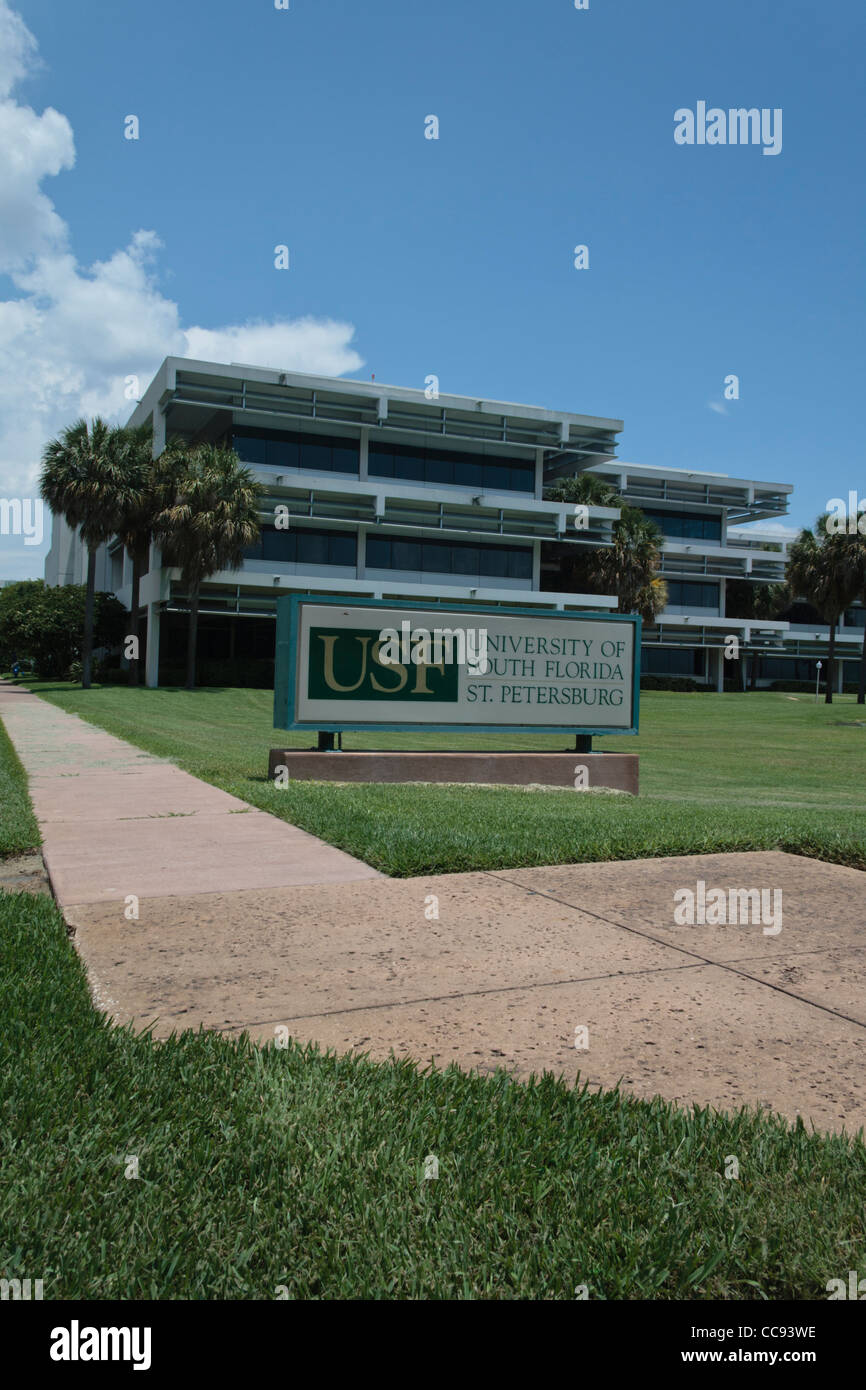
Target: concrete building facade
column 396, row 493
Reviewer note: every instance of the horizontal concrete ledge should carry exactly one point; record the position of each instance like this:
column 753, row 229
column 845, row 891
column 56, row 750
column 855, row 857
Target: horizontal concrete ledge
column 618, row 771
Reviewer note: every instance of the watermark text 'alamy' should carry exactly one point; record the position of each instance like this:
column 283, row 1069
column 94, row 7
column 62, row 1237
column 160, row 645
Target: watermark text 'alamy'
column 738, row 126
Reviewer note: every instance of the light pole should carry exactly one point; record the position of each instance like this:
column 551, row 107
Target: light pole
column 818, row 681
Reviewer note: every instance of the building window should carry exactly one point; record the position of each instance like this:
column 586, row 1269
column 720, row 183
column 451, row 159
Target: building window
column 671, row 661
column 791, row 668
column 690, row 525
column 855, row 617
column 448, row 557
column 284, row 450
column 685, row 593
column 450, row 468
column 304, row 547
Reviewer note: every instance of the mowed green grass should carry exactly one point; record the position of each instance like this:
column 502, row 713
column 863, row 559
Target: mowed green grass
column 267, row 1173
column 262, row 1168
column 718, row 773
column 18, row 829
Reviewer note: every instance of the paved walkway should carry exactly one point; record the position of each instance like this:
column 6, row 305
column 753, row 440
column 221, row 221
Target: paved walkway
column 513, row 964
column 116, row 821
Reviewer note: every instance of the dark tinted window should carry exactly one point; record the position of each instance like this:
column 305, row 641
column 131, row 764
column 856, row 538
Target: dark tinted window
column 250, row 450
column 315, row 456
column 465, row 560
column 288, row 449
column 439, row 469
column 520, row 564
column 304, row 547
column 444, row 557
column 380, row 464
column 686, row 524
column 786, row 668
column 313, row 549
column 342, row 548
column 450, row 466
column 468, row 472
column 691, row 594
column 344, row 459
column 277, row 545
column 436, row 557
column 405, row 555
column 498, row 478
column 495, row 562
column 378, row 552
column 410, row 465
column 668, row 661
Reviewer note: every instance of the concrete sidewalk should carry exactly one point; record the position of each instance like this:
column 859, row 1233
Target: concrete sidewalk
column 483, row 969
column 515, row 962
column 116, row 821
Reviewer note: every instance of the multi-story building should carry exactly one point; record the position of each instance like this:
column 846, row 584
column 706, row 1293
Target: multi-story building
column 396, row 493
column 714, row 553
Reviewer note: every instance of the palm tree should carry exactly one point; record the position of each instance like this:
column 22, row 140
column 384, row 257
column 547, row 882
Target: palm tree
column 652, row 599
column 628, row 567
column 135, row 529
column 586, row 489
column 820, row 570
column 744, row 599
column 85, row 480
column 209, row 515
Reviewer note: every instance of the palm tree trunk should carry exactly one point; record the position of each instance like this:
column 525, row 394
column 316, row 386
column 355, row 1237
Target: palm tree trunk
column 89, row 607
column 192, row 638
column 135, row 625
column 831, row 662
column 861, row 688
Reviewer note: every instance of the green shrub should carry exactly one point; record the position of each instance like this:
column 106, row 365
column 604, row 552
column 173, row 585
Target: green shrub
column 46, row 625
column 107, row 673
column 683, row 683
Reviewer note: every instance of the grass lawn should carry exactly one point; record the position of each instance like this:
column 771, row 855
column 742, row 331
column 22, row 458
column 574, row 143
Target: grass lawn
column 718, row 772
column 260, row 1168
column 18, row 829
column 267, row 1170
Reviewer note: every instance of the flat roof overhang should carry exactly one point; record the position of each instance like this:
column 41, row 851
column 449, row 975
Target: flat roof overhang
column 196, row 393
column 775, row 638
column 672, row 489
column 223, row 595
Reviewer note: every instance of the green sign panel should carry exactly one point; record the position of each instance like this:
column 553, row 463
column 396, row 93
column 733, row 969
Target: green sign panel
column 346, row 665
column 368, row 664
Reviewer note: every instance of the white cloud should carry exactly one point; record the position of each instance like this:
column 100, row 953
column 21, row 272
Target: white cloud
column 31, row 148
column 18, row 54
column 71, row 334
column 291, row 346
column 717, row 407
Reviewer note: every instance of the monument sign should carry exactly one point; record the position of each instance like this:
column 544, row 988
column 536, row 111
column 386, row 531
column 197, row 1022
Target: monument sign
column 377, row 664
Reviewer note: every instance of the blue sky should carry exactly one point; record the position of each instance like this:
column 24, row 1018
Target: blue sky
column 452, row 256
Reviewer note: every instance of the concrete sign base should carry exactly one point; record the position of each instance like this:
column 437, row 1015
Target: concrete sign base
column 579, row 770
